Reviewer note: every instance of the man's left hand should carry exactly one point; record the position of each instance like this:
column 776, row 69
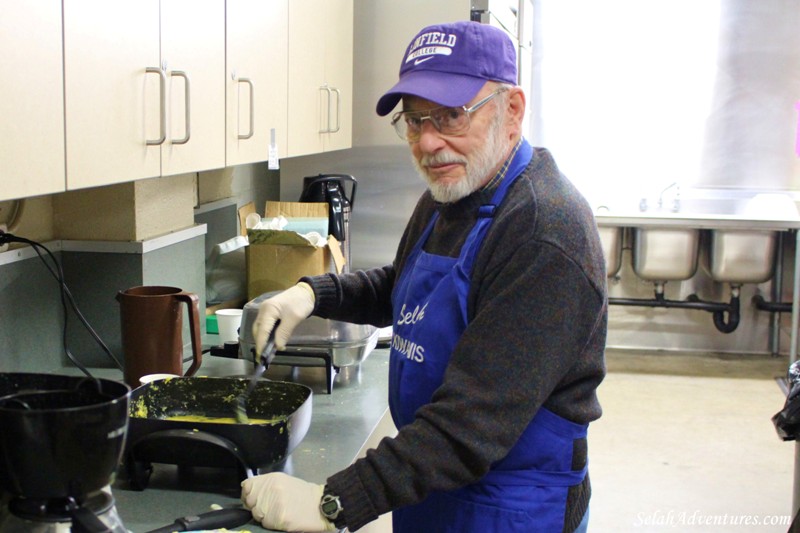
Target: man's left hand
column 285, row 503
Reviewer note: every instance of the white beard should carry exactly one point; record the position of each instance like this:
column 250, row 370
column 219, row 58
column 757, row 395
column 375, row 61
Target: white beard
column 477, row 166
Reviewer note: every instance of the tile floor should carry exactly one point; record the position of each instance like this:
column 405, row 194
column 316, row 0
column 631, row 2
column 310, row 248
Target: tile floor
column 686, row 444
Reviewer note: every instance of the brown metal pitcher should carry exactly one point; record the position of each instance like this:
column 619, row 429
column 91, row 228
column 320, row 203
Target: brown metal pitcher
column 152, row 331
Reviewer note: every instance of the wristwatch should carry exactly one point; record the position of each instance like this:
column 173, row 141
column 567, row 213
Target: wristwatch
column 331, row 508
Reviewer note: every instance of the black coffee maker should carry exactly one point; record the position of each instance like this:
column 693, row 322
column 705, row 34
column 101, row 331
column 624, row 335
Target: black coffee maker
column 61, row 441
column 332, row 189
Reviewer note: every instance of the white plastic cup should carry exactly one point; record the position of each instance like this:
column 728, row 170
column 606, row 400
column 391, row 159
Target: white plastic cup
column 149, row 378
column 228, row 321
column 252, row 221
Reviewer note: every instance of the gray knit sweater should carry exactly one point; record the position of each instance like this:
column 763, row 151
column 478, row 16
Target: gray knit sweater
column 538, row 312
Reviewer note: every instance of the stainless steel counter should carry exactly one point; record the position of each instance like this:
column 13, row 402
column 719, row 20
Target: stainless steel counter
column 341, row 423
column 694, row 220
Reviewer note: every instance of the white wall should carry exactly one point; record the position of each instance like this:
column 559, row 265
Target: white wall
column 383, row 29
column 633, row 96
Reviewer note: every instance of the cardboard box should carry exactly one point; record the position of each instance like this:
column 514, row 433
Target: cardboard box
column 296, row 209
column 277, row 259
column 245, row 210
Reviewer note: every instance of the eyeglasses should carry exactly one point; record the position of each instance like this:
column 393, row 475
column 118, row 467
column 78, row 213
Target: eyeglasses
column 446, row 120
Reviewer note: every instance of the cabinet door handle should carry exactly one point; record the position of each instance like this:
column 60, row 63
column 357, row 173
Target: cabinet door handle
column 187, row 107
column 338, row 111
column 162, row 83
column 327, row 90
column 250, row 84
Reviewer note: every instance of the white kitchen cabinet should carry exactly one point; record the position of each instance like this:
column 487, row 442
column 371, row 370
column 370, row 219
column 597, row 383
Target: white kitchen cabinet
column 193, row 57
column 126, row 64
column 31, row 99
column 320, row 75
column 256, row 79
column 113, row 104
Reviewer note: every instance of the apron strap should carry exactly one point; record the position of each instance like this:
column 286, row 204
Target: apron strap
column 466, row 259
column 486, row 211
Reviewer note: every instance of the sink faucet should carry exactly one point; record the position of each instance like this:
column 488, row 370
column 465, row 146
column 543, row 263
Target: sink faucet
column 676, row 200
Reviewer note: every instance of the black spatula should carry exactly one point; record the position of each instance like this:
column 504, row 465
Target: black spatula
column 266, row 356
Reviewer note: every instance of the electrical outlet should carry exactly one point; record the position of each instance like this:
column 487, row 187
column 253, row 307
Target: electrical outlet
column 3, row 229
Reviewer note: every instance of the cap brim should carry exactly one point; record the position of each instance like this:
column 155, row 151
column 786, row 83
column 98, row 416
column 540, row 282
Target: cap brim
column 442, row 88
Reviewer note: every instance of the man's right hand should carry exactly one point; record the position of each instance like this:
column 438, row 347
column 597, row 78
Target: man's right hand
column 291, row 307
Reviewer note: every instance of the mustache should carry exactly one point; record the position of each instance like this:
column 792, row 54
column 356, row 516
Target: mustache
column 441, row 158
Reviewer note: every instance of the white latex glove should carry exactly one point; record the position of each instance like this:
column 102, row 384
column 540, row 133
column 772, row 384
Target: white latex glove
column 291, row 307
column 285, row 503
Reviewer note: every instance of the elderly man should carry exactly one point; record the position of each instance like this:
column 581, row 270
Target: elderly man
column 497, row 300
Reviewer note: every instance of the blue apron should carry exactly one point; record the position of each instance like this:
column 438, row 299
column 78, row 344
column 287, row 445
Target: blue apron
column 527, row 490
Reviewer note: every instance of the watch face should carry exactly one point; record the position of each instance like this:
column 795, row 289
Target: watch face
column 330, row 506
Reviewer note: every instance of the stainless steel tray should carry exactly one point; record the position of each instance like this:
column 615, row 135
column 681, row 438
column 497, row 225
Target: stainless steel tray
column 349, row 344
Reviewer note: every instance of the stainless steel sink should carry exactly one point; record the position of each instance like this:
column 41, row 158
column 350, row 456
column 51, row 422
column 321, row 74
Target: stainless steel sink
column 611, row 240
column 665, row 254
column 743, row 233
column 742, row 256
column 748, row 255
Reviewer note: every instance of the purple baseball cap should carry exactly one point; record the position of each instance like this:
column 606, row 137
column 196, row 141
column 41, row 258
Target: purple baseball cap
column 449, row 63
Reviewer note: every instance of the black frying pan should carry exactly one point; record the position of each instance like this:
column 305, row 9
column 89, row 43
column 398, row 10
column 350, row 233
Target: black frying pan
column 153, row 438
